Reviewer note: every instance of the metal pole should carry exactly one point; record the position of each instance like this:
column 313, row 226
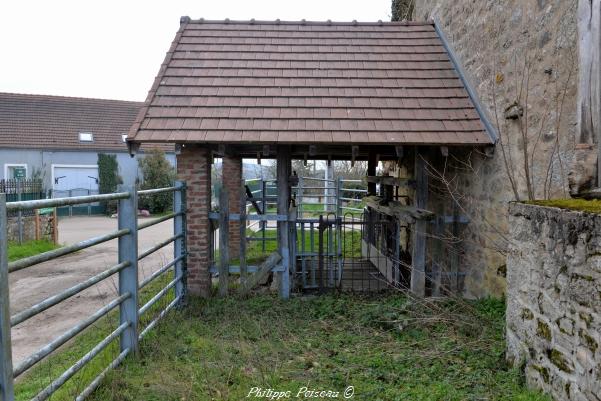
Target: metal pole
column 128, row 277
column 6, row 365
column 179, row 246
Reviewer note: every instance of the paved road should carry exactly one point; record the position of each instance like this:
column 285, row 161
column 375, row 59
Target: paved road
column 32, row 285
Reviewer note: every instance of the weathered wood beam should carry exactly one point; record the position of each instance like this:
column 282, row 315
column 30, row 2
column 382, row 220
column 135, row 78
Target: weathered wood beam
column 589, row 85
column 224, row 246
column 418, row 268
column 259, row 276
column 372, row 165
column 408, row 214
column 388, row 180
column 243, row 269
column 284, row 170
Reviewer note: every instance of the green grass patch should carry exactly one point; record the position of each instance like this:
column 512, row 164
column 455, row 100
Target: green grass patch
column 350, row 246
column 29, row 248
column 583, row 205
column 386, row 347
column 42, row 374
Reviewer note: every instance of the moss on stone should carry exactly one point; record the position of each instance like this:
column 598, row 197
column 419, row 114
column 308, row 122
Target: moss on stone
column 543, row 371
column 586, row 317
column 527, row 314
column 588, row 340
column 583, row 205
column 559, row 360
column 543, row 330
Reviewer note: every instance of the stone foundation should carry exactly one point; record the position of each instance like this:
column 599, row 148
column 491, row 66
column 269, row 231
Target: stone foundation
column 554, row 300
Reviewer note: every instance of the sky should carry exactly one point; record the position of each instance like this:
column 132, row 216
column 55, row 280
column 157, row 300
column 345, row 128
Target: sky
column 113, row 49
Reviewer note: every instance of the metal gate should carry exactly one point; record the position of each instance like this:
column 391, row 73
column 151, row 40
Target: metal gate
column 347, row 248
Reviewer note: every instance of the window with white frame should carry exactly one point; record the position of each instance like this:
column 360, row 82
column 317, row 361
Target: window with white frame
column 86, row 137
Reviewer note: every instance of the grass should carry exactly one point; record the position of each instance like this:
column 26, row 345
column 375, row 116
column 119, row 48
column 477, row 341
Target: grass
column 583, row 205
column 351, row 246
column 386, row 347
column 29, row 248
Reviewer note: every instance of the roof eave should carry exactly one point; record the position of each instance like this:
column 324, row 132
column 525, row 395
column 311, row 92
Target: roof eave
column 490, row 129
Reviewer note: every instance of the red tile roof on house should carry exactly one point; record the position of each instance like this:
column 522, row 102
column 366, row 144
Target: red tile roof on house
column 54, row 122
column 308, row 82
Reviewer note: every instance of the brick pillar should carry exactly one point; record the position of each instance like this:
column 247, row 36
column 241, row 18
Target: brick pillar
column 194, row 167
column 232, row 180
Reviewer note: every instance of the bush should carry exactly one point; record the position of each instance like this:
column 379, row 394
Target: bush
column 157, row 172
column 108, row 179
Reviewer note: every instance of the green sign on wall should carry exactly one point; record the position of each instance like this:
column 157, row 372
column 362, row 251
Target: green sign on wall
column 19, row 172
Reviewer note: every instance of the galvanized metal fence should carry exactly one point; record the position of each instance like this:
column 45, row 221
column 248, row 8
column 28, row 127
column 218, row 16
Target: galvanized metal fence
column 128, row 331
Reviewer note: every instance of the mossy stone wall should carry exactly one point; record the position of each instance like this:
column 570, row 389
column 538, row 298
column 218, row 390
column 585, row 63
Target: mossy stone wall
column 554, row 299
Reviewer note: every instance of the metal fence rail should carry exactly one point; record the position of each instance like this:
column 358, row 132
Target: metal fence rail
column 127, row 270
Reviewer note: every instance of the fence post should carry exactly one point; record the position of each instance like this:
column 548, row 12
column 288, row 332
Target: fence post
column 179, row 246
column 339, row 184
column 224, row 245
column 6, row 365
column 128, row 277
column 20, row 215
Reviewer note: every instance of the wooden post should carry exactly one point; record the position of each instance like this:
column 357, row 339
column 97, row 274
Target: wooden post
column 589, row 86
column 55, row 226
column 224, row 248
column 437, row 253
column 243, row 236
column 418, row 270
column 454, row 259
column 36, row 216
column 284, row 168
column 371, row 172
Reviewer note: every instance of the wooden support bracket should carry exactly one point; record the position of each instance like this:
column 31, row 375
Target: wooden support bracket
column 408, row 214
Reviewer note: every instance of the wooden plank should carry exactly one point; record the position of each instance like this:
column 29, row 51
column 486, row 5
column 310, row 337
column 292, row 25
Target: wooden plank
column 284, row 170
column 418, row 270
column 242, row 225
column 384, row 264
column 264, row 269
column 371, row 171
column 437, row 255
column 454, row 257
column 589, row 85
column 224, row 248
column 248, row 193
column 388, row 180
column 408, row 214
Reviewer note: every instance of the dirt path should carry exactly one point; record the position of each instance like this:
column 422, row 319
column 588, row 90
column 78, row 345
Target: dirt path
column 34, row 284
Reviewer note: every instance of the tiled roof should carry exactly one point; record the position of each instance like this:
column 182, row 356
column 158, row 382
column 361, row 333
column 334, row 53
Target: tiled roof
column 307, row 82
column 54, row 122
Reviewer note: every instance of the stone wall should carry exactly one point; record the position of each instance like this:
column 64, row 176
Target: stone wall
column 554, row 300
column 521, row 58
column 34, row 227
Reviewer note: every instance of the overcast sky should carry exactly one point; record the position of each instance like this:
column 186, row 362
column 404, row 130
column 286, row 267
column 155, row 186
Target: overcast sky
column 113, row 49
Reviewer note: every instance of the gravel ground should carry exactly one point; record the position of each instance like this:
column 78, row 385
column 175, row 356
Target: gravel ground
column 34, row 284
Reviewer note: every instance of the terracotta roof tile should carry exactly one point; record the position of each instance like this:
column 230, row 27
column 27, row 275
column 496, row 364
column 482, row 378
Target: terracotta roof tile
column 54, row 122
column 309, row 82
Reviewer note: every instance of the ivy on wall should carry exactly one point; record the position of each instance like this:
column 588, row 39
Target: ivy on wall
column 403, row 10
